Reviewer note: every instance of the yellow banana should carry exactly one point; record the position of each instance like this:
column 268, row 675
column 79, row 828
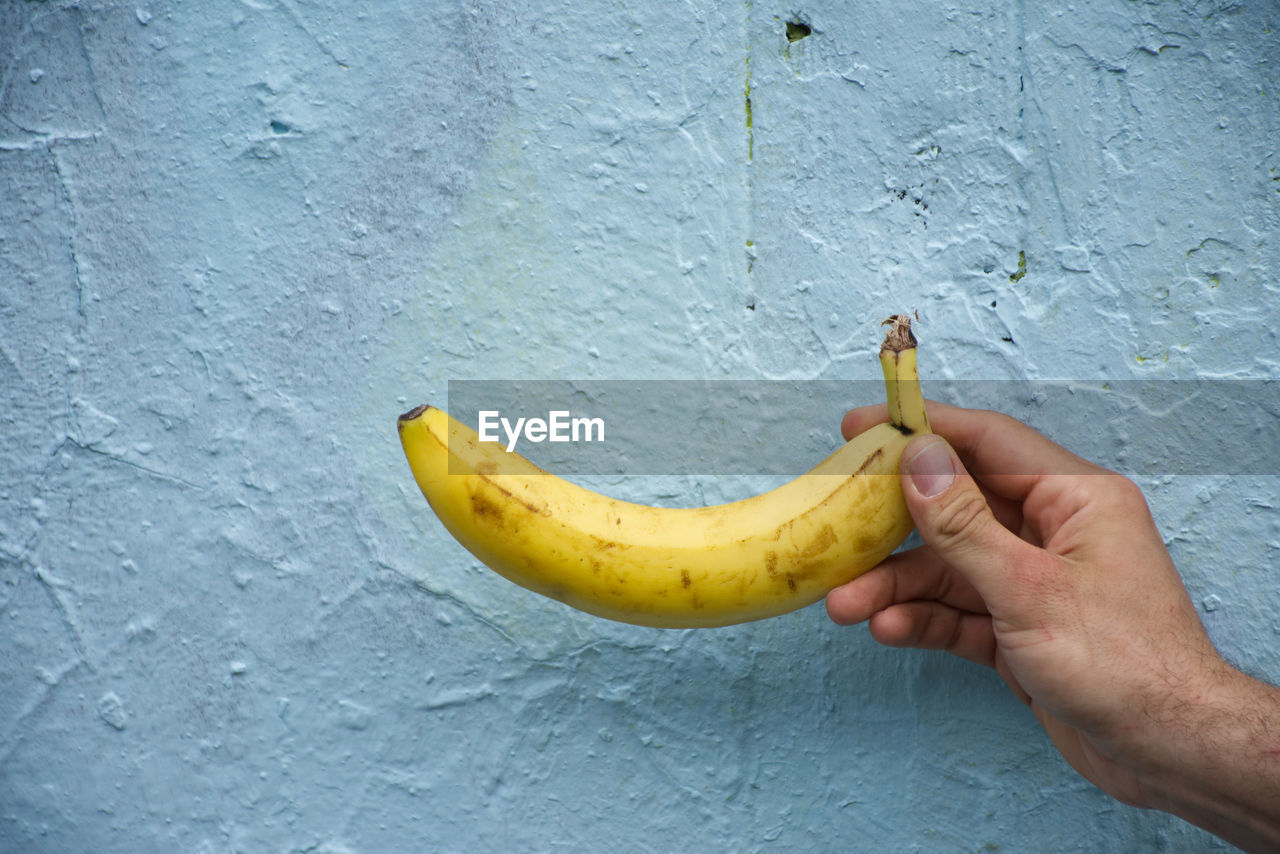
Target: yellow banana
column 677, row 567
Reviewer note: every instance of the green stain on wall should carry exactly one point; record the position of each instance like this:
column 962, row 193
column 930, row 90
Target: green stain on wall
column 1022, row 267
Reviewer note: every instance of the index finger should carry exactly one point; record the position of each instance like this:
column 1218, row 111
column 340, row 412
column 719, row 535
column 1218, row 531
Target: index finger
column 1006, row 455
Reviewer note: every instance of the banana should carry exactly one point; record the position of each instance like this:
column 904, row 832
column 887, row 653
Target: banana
column 677, row 567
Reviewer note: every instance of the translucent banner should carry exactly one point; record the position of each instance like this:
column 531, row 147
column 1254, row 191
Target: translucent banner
column 748, row 427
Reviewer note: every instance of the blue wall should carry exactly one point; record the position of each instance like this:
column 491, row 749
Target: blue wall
column 238, row 238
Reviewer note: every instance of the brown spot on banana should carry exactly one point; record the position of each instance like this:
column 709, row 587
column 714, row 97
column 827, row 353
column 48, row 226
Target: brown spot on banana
column 842, row 483
column 869, row 462
column 822, row 541
column 485, row 509
column 531, row 507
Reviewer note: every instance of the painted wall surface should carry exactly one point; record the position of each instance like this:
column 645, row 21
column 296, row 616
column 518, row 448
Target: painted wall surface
column 237, row 239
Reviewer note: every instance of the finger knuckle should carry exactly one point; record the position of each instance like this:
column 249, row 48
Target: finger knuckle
column 1128, row 490
column 962, row 517
column 1123, row 495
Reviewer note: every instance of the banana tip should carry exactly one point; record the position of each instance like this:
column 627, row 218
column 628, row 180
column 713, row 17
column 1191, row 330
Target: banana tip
column 412, row 414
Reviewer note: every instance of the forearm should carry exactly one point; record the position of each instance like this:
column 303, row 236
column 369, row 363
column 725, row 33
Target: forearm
column 1218, row 763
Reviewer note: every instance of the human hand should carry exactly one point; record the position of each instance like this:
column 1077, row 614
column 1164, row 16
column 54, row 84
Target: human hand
column 1050, row 569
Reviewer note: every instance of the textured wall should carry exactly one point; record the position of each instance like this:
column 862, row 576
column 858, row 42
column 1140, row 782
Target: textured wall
column 238, row 238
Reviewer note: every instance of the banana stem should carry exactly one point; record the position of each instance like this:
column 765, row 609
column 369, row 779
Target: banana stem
column 901, row 377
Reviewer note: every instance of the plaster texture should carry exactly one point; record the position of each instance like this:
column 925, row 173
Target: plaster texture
column 238, row 238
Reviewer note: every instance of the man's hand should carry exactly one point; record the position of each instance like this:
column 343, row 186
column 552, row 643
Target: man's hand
column 1051, row 570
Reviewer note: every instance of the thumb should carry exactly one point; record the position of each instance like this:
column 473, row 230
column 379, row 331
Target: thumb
column 954, row 519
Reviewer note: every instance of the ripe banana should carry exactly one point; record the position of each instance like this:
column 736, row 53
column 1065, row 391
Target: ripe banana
column 677, row 567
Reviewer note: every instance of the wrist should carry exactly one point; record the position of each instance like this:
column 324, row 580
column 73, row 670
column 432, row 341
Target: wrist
column 1212, row 757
